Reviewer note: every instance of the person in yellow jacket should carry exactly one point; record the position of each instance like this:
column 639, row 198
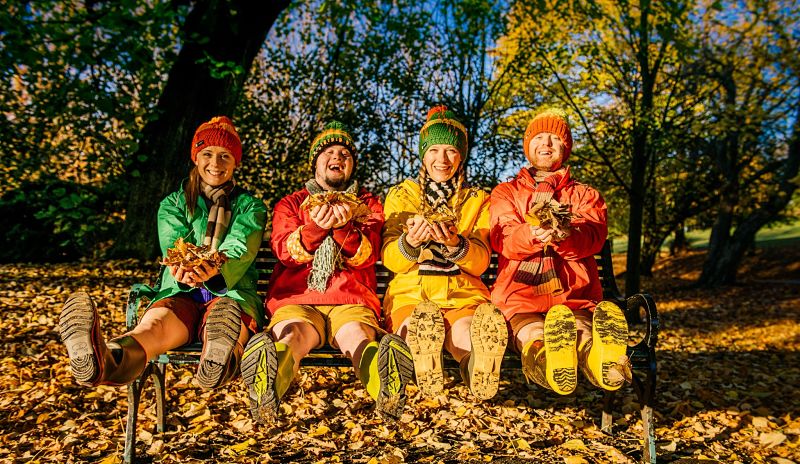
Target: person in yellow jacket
column 436, row 242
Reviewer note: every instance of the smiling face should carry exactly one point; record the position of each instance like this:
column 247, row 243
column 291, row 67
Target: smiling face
column 215, row 165
column 546, row 152
column 334, row 167
column 441, row 162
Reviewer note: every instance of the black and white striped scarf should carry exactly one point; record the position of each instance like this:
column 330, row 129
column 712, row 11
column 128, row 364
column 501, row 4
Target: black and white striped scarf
column 438, row 194
column 219, row 214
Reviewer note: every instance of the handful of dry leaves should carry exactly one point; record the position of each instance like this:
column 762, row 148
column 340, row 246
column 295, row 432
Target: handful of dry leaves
column 441, row 215
column 360, row 210
column 551, row 214
column 190, row 255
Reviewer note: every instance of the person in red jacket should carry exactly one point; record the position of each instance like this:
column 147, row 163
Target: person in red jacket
column 547, row 284
column 323, row 287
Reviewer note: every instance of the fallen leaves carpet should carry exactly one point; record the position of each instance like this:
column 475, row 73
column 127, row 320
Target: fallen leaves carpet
column 728, row 391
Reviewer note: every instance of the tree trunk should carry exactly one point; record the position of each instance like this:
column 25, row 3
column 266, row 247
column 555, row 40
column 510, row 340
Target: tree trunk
column 725, row 250
column 680, row 244
column 650, row 251
column 220, row 40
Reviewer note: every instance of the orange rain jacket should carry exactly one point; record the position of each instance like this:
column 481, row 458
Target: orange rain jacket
column 574, row 262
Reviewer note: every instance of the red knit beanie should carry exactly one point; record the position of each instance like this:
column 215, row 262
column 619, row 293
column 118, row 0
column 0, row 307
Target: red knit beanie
column 218, row 132
column 553, row 120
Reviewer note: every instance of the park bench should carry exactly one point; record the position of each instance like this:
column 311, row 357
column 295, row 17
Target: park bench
column 640, row 311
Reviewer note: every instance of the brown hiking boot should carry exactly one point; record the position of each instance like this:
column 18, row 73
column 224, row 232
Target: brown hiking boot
column 425, row 339
column 489, row 337
column 219, row 360
column 92, row 361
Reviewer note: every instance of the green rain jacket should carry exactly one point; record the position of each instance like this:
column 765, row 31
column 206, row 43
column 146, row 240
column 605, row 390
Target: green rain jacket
column 241, row 244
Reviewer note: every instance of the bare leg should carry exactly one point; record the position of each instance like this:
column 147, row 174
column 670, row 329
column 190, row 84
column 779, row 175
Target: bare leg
column 159, row 330
column 351, row 339
column 457, row 339
column 300, row 336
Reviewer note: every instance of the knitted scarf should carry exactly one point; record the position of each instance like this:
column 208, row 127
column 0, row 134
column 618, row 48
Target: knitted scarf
column 328, row 257
column 539, row 271
column 434, row 256
column 219, row 214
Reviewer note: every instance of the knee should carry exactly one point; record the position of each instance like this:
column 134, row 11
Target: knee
column 355, row 331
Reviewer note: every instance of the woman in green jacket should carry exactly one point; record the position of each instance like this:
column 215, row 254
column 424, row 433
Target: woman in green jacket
column 217, row 305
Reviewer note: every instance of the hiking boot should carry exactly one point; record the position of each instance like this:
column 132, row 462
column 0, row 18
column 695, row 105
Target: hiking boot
column 219, row 360
column 489, row 337
column 92, row 361
column 259, row 371
column 395, row 368
column 425, row 339
column 604, row 359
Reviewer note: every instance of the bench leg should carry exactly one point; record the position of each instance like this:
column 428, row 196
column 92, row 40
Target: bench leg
column 159, row 381
column 608, row 406
column 649, row 451
column 134, row 395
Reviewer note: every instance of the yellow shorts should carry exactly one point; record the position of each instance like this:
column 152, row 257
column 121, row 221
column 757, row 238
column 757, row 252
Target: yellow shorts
column 326, row 319
column 451, row 315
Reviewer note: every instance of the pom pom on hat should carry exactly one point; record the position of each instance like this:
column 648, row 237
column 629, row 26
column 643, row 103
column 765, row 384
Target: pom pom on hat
column 217, row 132
column 553, row 120
column 334, row 133
column 442, row 127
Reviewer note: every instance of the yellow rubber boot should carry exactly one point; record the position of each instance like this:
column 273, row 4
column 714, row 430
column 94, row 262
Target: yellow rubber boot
column 285, row 373
column 561, row 357
column 607, row 359
column 368, row 370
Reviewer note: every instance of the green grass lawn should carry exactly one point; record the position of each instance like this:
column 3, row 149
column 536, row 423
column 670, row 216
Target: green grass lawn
column 779, row 235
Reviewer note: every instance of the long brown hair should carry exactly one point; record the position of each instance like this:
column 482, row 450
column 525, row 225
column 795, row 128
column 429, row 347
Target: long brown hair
column 192, row 190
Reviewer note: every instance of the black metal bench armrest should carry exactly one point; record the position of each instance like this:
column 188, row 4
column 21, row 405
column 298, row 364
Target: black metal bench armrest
column 643, row 353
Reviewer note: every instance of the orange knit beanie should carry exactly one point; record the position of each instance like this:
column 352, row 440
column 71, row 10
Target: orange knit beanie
column 553, row 120
column 218, row 132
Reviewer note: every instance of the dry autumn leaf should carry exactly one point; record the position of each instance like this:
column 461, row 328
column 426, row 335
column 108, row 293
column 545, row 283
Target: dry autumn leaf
column 190, row 255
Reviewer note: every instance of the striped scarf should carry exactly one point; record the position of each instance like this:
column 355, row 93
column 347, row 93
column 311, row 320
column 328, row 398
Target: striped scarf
column 219, row 214
column 434, row 259
column 539, row 271
column 328, row 257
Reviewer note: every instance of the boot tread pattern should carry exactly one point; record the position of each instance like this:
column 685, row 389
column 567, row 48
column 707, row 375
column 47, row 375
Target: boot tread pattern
column 259, row 370
column 560, row 336
column 76, row 324
column 489, row 337
column 425, row 338
column 395, row 368
column 222, row 332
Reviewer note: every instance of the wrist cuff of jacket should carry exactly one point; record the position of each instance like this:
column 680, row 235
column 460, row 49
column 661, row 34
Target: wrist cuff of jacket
column 410, row 253
column 459, row 251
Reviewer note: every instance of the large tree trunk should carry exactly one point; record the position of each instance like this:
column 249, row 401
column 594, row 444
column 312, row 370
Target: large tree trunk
column 220, row 40
column 726, row 250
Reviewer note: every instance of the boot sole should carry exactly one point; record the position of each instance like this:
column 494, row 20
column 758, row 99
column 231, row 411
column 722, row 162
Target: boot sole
column 489, row 337
column 222, row 333
column 560, row 336
column 259, row 370
column 609, row 342
column 79, row 326
column 395, row 368
column 425, row 339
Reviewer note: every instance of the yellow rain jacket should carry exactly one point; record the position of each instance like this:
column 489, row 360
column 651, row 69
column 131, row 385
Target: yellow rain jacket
column 448, row 291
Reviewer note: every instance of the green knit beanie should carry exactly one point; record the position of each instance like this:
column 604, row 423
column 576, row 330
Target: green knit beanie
column 334, row 133
column 442, row 127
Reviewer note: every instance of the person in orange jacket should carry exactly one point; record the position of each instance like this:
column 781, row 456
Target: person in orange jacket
column 323, row 287
column 547, row 285
column 436, row 298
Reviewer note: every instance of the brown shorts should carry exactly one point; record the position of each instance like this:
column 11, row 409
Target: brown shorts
column 326, row 319
column 451, row 315
column 194, row 314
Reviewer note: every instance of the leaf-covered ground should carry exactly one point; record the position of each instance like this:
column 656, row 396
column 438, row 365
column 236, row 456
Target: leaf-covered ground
column 729, row 389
